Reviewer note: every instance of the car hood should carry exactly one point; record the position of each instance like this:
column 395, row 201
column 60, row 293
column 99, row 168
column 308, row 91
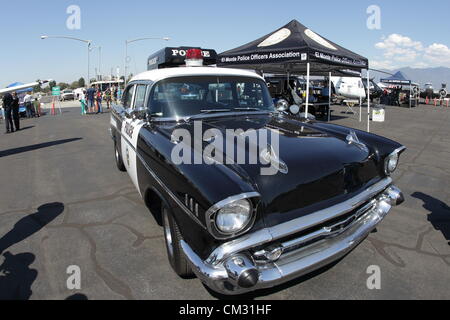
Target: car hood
column 317, row 166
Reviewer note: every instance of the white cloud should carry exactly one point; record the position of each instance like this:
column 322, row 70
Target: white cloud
column 438, row 54
column 403, row 50
column 398, row 41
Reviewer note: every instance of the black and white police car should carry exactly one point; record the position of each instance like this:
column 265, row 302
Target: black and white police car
column 234, row 228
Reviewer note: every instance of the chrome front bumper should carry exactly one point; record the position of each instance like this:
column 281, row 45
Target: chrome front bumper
column 232, row 268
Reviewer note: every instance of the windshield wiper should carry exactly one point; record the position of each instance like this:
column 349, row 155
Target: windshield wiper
column 214, row 111
column 207, row 111
column 248, row 109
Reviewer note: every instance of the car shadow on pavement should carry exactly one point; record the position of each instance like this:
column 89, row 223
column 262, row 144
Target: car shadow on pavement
column 439, row 215
column 16, row 276
column 14, row 151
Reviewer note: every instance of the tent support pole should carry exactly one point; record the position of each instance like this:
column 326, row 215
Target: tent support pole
column 329, row 97
column 368, row 101
column 410, row 102
column 360, row 109
column 307, row 90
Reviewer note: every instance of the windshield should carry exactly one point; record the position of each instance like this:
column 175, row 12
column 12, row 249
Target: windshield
column 190, row 96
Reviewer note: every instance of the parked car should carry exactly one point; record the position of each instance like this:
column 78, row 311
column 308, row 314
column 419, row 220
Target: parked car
column 67, row 95
column 234, row 228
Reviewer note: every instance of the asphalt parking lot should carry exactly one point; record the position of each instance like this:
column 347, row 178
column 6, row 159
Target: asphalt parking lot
column 64, row 203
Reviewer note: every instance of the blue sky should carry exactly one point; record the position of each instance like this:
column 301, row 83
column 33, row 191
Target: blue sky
column 411, row 34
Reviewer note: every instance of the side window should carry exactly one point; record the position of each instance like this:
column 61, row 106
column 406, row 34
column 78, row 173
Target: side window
column 128, row 97
column 139, row 101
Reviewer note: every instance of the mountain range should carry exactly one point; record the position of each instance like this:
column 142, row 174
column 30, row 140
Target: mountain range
column 436, row 76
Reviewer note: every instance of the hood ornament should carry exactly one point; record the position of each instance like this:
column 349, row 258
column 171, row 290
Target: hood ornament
column 352, row 138
column 270, row 156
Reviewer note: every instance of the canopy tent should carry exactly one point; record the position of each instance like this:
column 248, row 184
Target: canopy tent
column 296, row 49
column 401, row 80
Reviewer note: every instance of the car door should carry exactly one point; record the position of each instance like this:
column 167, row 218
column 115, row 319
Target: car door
column 131, row 127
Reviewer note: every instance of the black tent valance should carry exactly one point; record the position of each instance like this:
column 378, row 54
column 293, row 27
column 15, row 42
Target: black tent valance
column 290, row 49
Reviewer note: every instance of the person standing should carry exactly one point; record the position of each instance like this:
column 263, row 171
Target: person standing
column 7, row 110
column 91, row 99
column 27, row 102
column 15, row 110
column 114, row 94
column 82, row 99
column 37, row 108
column 108, row 98
column 99, row 101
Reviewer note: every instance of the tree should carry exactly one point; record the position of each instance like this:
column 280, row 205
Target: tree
column 63, row 85
column 81, row 83
column 74, row 85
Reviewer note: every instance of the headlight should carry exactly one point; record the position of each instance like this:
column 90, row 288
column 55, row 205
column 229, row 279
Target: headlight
column 391, row 162
column 234, row 217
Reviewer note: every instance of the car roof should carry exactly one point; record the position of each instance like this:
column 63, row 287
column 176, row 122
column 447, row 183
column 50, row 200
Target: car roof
column 161, row 74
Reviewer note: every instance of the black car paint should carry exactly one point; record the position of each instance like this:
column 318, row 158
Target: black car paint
column 328, row 171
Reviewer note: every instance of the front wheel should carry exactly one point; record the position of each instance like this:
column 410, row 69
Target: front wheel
column 119, row 161
column 172, row 237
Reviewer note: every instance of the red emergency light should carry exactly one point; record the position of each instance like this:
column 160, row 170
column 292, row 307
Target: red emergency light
column 194, row 58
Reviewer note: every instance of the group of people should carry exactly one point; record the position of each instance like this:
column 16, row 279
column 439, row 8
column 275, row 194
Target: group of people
column 11, row 112
column 391, row 97
column 91, row 99
column 11, row 105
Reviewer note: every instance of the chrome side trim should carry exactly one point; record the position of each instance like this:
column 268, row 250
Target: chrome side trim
column 286, row 229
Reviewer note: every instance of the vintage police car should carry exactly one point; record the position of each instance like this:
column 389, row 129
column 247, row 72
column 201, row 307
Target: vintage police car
column 234, row 228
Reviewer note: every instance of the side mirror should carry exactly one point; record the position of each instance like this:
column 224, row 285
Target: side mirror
column 136, row 114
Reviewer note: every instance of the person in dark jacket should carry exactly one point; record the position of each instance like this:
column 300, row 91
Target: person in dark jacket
column 7, row 109
column 15, row 111
column 91, row 99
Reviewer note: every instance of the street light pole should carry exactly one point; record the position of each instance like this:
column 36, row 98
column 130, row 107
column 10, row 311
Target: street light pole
column 88, row 80
column 99, row 58
column 88, row 42
column 126, row 51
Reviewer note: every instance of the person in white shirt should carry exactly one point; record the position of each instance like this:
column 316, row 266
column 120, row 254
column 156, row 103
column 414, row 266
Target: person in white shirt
column 82, row 99
column 27, row 102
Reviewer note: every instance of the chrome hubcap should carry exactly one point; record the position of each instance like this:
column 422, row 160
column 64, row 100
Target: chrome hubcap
column 168, row 234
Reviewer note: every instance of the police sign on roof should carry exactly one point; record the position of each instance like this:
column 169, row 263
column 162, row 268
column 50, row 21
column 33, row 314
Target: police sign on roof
column 174, row 57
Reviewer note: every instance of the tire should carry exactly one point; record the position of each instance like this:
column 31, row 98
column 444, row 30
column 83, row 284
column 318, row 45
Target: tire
column 172, row 238
column 119, row 161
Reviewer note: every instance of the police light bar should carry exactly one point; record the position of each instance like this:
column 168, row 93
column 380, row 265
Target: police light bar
column 176, row 57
